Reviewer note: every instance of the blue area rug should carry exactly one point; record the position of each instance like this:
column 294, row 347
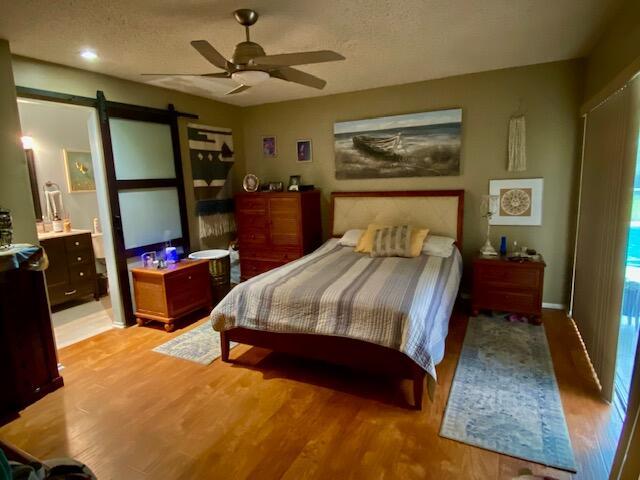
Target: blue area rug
column 504, row 395
column 200, row 344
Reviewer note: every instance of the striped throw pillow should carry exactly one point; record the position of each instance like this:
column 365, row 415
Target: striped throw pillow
column 392, row 242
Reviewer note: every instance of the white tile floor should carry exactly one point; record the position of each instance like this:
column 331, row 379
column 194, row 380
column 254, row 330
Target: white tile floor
column 82, row 321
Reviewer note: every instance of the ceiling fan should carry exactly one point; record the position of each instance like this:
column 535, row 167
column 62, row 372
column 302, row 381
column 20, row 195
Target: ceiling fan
column 250, row 66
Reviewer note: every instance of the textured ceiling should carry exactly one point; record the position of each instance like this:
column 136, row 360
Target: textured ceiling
column 386, row 42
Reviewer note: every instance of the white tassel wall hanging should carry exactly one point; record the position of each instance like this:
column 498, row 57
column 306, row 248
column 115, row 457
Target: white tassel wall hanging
column 517, row 144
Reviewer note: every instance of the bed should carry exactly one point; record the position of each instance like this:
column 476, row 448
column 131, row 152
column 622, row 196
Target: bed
column 388, row 315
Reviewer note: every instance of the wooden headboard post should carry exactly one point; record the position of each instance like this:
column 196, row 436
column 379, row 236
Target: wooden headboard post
column 458, row 194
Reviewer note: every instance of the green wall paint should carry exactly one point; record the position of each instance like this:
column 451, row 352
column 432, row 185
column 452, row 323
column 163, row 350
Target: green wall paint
column 617, row 48
column 549, row 94
column 15, row 193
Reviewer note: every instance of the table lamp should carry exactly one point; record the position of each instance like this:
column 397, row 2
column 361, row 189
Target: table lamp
column 488, row 208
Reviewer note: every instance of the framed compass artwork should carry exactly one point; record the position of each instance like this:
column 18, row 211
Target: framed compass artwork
column 520, row 201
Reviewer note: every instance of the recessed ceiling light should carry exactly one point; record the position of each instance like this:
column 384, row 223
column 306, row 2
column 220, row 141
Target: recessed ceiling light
column 89, row 54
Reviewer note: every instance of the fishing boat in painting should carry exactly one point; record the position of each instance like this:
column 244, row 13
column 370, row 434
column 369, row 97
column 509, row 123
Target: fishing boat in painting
column 384, row 147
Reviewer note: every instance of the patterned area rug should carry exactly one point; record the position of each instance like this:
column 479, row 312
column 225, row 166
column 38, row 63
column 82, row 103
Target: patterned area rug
column 504, row 396
column 200, row 344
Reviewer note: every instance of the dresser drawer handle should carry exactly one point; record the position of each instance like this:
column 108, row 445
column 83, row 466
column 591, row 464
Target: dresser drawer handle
column 77, row 243
column 189, row 277
column 71, row 292
column 79, row 259
column 82, row 274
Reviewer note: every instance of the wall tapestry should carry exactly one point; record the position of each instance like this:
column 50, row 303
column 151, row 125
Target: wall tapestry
column 414, row 145
column 79, row 169
column 212, row 156
column 520, row 201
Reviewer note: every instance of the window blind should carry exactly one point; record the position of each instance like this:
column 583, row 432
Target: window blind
column 606, row 191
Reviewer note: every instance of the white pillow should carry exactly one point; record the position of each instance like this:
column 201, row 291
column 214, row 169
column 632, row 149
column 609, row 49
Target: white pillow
column 438, row 246
column 350, row 238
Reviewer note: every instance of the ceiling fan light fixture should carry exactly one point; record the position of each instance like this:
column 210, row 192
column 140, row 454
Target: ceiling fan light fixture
column 250, row 77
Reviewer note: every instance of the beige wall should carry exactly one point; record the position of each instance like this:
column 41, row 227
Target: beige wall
column 48, row 76
column 15, row 193
column 618, row 47
column 550, row 95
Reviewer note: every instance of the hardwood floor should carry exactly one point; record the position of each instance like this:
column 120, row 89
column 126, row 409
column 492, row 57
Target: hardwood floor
column 130, row 413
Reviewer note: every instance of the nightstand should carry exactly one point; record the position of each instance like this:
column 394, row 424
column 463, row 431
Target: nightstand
column 508, row 285
column 164, row 295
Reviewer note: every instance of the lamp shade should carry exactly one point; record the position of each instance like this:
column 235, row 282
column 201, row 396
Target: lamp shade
column 250, row 77
column 489, row 205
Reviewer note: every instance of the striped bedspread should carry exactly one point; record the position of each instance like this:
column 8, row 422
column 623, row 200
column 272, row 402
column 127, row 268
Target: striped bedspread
column 401, row 303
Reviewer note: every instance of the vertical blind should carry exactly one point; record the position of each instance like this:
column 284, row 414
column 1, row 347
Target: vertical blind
column 606, row 191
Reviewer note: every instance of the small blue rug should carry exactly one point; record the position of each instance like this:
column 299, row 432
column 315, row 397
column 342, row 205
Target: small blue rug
column 504, row 395
column 200, row 344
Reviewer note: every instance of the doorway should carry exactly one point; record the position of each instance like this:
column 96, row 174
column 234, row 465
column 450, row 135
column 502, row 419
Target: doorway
column 66, row 169
column 134, row 155
column 630, row 312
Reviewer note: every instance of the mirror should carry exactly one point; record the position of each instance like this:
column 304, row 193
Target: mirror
column 33, row 181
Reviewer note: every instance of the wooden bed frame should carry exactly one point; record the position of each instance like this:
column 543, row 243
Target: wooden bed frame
column 345, row 351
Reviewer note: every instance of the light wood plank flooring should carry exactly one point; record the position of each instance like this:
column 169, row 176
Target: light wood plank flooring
column 131, row 413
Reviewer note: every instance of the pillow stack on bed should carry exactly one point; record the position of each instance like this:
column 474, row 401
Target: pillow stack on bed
column 398, row 241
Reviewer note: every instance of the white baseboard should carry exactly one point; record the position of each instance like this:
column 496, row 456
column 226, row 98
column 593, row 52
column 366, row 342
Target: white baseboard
column 554, row 306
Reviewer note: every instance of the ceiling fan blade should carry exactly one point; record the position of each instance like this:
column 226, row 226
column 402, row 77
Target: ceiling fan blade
column 300, row 58
column 298, row 76
column 207, row 51
column 238, row 89
column 217, row 75
column 184, row 74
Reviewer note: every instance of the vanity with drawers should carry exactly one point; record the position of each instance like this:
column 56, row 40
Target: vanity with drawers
column 72, row 269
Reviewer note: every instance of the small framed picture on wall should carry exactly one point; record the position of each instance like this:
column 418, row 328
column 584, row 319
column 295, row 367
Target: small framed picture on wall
column 269, row 147
column 303, row 151
column 519, row 201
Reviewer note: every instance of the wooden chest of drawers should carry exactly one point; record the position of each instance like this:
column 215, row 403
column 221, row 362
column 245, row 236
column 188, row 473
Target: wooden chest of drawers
column 72, row 269
column 276, row 228
column 164, row 295
column 501, row 284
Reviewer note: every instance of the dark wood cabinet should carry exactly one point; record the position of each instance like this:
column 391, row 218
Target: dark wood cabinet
column 276, row 228
column 507, row 285
column 29, row 367
column 72, row 268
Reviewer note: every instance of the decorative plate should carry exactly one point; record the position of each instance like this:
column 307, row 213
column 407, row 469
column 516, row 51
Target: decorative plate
column 515, row 202
column 250, row 183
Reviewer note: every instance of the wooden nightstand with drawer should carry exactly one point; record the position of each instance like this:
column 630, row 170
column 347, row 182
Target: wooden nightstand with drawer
column 508, row 285
column 164, row 295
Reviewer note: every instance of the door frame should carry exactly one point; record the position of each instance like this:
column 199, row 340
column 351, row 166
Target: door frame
column 106, row 109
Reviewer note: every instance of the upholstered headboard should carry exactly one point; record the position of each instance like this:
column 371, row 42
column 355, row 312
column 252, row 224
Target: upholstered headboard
column 439, row 210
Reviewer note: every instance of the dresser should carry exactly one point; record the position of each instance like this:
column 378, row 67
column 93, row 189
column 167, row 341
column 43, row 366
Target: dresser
column 164, row 295
column 507, row 285
column 275, row 228
column 72, row 267
column 28, row 361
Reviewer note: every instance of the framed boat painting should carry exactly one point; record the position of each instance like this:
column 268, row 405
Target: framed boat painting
column 423, row 144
